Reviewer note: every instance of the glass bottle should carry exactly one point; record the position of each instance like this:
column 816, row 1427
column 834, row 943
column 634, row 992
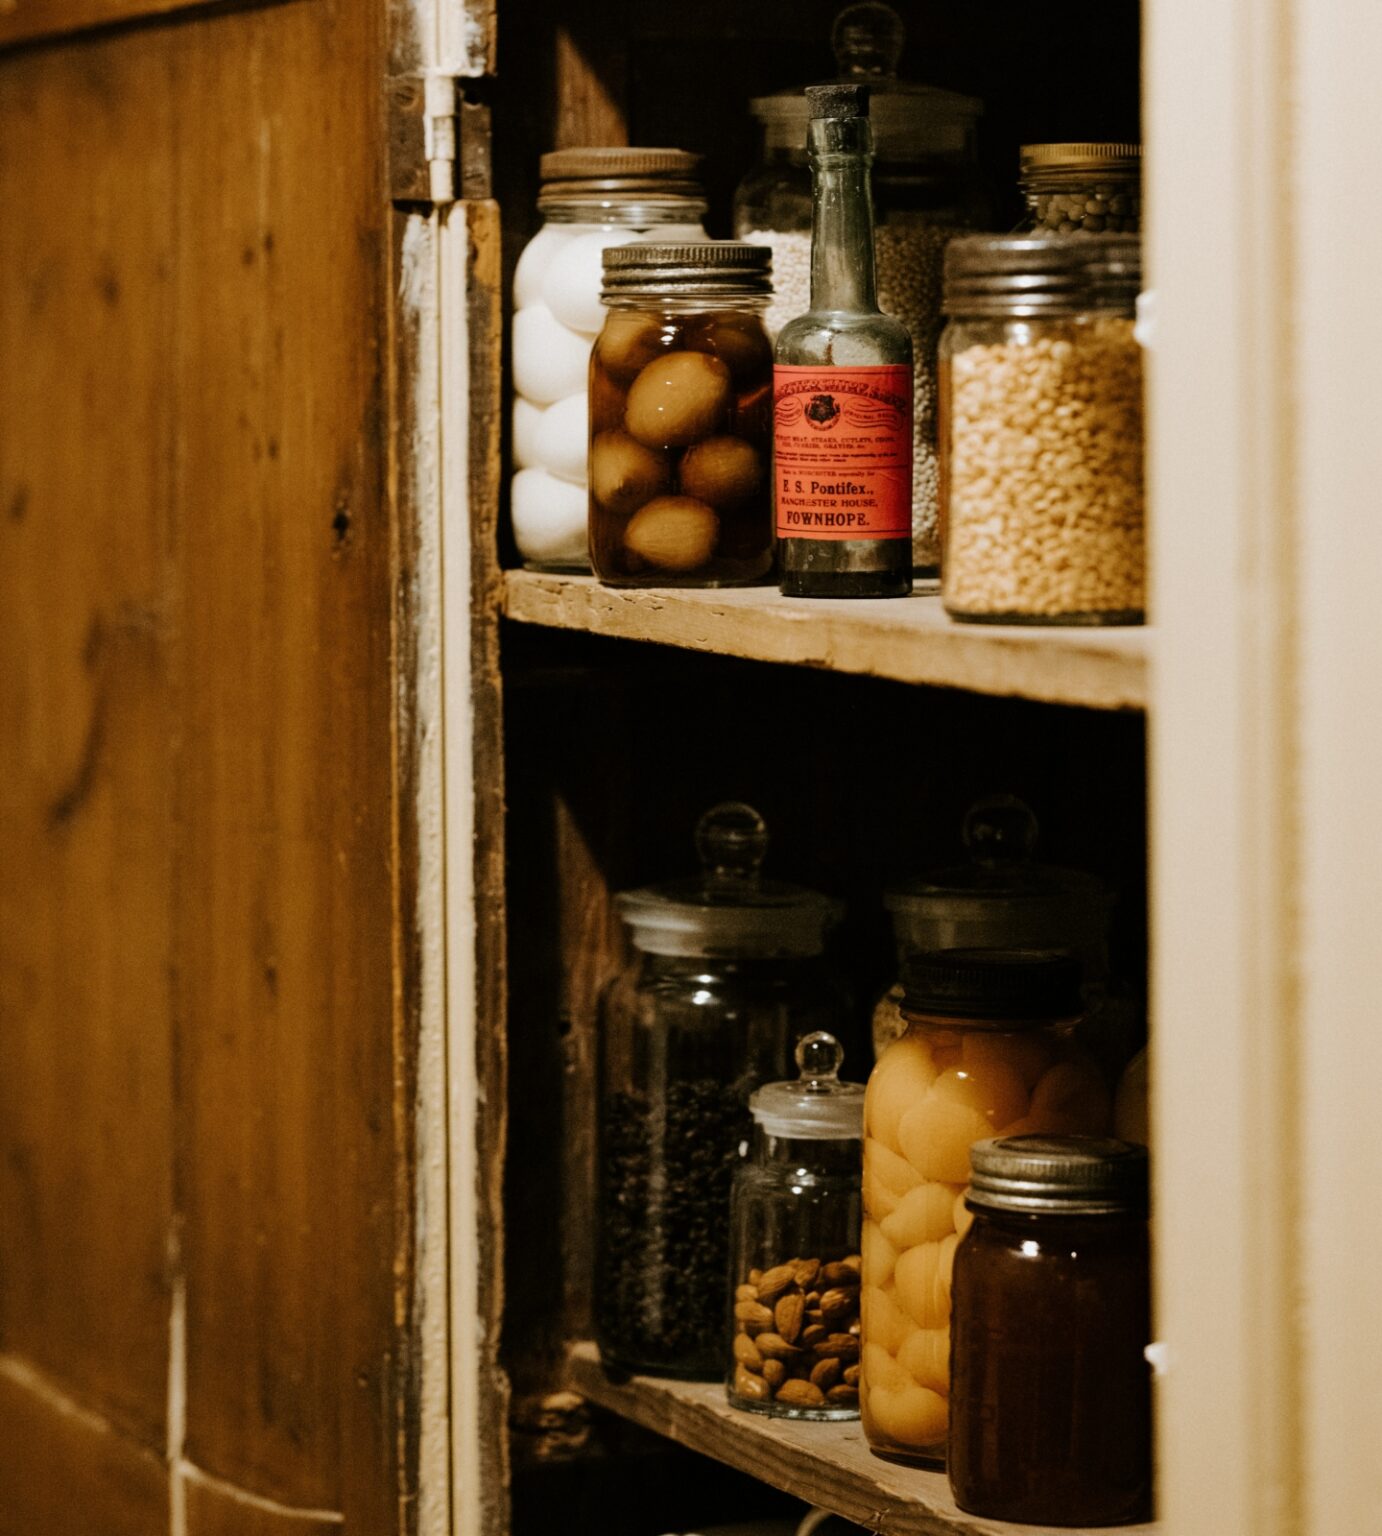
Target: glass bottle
column 989, row 1050
column 680, row 413
column 728, row 972
column 842, row 387
column 590, row 199
column 794, row 1218
column 1051, row 1393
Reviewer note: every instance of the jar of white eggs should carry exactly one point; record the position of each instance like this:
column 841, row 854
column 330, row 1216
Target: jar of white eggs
column 590, row 199
column 990, row 1050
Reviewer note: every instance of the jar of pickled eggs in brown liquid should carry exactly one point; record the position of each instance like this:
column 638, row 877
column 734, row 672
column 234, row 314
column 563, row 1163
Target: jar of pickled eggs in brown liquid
column 680, row 417
column 989, row 1051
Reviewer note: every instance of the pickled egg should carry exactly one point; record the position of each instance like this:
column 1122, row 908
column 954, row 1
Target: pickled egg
column 677, row 398
column 562, row 435
column 629, row 342
column 878, row 1254
column 549, row 519
column 914, row 1416
column 899, row 1082
column 624, row 474
column 534, row 262
column 738, row 340
column 723, row 471
column 673, row 533
column 526, row 417
column 1028, row 1053
column 884, row 1322
column 923, row 1215
column 894, row 1171
column 1071, row 1099
column 937, row 1134
column 880, row 1370
column 549, row 361
column 992, row 1088
column 574, row 277
column 925, row 1356
column 919, row 1286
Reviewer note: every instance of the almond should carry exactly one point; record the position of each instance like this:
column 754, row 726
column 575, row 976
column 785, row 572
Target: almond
column 842, row 1346
column 746, row 1384
column 746, row 1293
column 840, row 1273
column 774, row 1373
column 773, row 1282
column 843, row 1395
column 772, row 1346
column 825, row 1373
column 812, row 1335
column 754, row 1316
column 787, row 1314
column 851, row 1375
column 801, row 1394
column 839, row 1304
column 806, row 1271
column 746, row 1352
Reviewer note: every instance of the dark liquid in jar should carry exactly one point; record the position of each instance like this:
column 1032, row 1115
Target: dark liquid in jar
column 1050, row 1405
column 680, row 418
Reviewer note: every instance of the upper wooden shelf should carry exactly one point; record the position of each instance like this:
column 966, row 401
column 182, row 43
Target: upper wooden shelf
column 910, row 640
column 828, row 1465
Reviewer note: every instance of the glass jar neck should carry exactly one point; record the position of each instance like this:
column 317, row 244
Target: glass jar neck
column 711, row 966
column 631, row 214
column 842, row 260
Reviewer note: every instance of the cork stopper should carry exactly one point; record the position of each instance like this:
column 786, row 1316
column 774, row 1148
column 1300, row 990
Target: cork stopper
column 838, row 101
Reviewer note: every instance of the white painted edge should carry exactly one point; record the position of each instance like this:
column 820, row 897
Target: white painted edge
column 1223, row 793
column 420, row 301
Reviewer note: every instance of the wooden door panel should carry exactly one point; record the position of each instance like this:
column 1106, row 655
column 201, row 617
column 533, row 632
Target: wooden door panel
column 87, row 597
column 215, row 1511
column 27, row 21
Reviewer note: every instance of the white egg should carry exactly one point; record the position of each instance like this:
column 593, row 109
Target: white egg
column 562, row 435
column 571, row 288
column 549, row 361
column 549, row 519
column 526, row 418
column 533, row 263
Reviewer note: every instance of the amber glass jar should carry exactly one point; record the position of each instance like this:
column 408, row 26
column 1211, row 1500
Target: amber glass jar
column 681, row 416
column 989, row 1049
column 1050, row 1405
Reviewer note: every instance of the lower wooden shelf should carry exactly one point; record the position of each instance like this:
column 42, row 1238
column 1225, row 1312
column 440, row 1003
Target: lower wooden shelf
column 828, row 1465
column 908, row 639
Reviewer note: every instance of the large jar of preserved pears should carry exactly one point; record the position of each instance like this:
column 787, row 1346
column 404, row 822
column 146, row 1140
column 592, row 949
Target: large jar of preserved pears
column 794, row 1333
column 727, row 974
column 1051, row 1409
column 989, row 1050
column 681, row 417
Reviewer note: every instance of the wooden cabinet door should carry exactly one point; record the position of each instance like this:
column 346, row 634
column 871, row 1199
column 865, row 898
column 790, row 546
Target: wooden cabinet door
column 212, row 1245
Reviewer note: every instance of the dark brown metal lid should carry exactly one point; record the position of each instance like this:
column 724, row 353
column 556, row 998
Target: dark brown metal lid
column 718, row 267
column 1011, row 986
column 619, row 171
column 1029, row 275
column 1063, row 1175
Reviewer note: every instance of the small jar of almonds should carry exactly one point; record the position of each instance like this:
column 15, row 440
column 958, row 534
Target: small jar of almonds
column 680, row 417
column 796, row 1210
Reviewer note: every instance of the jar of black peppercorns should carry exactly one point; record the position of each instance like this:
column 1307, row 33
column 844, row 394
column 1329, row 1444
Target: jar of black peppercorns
column 728, row 974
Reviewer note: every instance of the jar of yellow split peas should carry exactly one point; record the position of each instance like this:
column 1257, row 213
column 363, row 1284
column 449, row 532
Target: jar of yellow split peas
column 989, row 1051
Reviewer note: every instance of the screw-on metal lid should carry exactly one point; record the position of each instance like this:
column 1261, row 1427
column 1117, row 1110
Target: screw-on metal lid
column 1094, row 156
column 619, row 172
column 1023, row 275
column 1007, row 987
column 817, row 1106
column 1068, row 1175
column 715, row 269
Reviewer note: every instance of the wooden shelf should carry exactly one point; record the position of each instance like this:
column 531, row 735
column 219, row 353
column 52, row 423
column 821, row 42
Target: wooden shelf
column 828, row 1465
column 910, row 639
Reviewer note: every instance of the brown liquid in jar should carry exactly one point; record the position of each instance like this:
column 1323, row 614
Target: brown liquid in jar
column 1050, row 1406
column 680, row 423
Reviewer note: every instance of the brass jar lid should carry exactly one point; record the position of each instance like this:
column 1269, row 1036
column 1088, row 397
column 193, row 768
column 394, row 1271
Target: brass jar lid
column 715, row 269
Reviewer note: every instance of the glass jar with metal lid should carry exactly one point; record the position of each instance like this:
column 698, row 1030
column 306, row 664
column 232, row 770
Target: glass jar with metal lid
column 794, row 1332
column 1051, row 1399
column 1085, row 189
column 590, row 199
column 681, row 417
column 728, row 972
column 927, row 188
column 989, row 1049
column 1041, row 431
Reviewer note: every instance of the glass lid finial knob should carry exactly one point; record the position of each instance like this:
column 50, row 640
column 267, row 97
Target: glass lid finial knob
column 819, row 1057
column 731, row 840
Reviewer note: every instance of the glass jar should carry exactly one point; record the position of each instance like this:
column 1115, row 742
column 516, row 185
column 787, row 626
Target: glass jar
column 926, row 189
column 681, row 418
column 989, row 1050
column 1001, row 898
column 1041, row 431
column 1089, row 189
column 727, row 974
column 794, row 1331
column 1051, row 1396
column 590, row 199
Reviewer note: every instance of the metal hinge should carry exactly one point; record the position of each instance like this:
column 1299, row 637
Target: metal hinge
column 439, row 141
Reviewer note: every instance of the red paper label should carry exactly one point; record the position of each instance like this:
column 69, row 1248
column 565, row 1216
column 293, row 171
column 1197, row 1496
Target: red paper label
column 842, row 452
